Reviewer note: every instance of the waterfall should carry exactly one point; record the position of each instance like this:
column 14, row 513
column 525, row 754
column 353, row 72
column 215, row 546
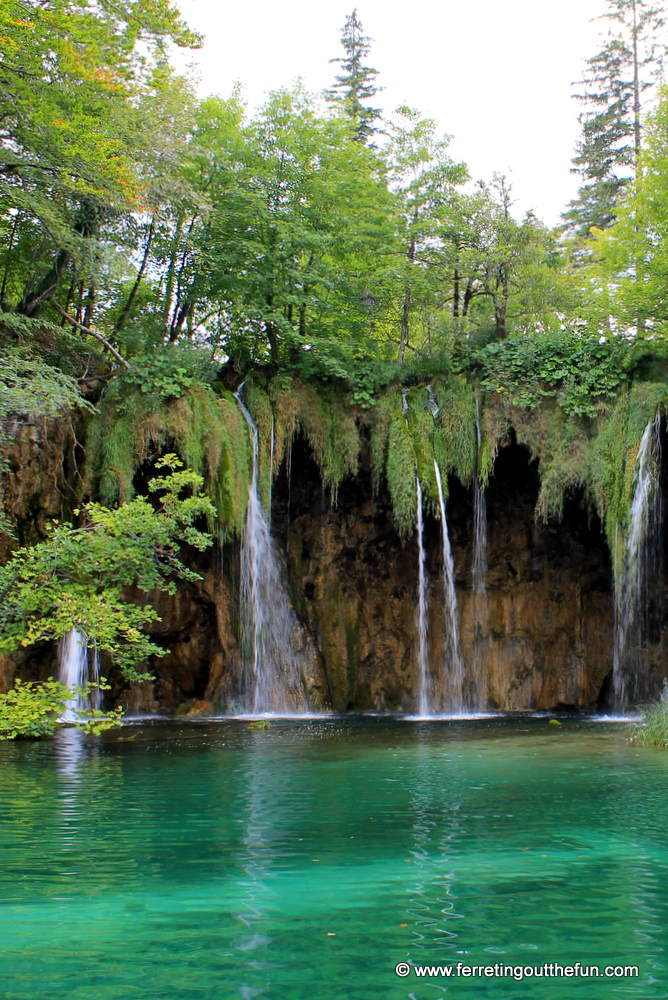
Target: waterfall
column 454, row 669
column 479, row 517
column 479, row 577
column 404, row 401
column 268, row 621
column 431, row 402
column 424, row 691
column 638, row 582
column 79, row 665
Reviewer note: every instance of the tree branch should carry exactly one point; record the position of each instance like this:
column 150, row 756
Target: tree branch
column 92, row 333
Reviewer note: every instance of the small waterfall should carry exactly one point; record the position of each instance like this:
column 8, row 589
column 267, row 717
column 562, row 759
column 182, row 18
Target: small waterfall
column 79, row 666
column 268, row 622
column 454, row 668
column 637, row 588
column 479, row 577
column 404, row 401
column 431, row 402
column 424, row 691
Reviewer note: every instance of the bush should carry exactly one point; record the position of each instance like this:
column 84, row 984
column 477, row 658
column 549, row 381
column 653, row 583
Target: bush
column 653, row 732
column 31, row 711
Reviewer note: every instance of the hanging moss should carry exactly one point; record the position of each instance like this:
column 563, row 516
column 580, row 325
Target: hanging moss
column 612, row 462
column 388, row 406
column 402, row 443
column 208, row 432
column 327, row 423
column 597, row 455
column 420, row 419
column 455, row 440
column 400, row 470
column 232, row 477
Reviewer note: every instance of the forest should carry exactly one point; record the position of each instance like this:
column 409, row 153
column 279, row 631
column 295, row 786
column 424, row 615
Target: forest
column 158, row 249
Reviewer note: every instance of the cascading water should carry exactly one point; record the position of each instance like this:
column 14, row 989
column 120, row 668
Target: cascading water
column 79, row 666
column 424, row 690
column 268, row 622
column 431, row 402
column 479, row 578
column 637, row 587
column 454, row 668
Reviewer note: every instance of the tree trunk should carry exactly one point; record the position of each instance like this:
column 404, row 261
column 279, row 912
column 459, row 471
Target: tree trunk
column 125, row 311
column 270, row 331
column 406, row 311
column 90, row 306
column 32, row 303
column 12, row 237
column 636, row 87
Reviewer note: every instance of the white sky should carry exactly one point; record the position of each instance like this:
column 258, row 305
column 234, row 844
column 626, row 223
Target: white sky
column 495, row 74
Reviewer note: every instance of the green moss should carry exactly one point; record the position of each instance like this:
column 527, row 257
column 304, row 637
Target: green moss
column 386, row 408
column 612, row 460
column 455, row 438
column 327, row 423
column 400, row 471
column 596, row 454
column 208, row 432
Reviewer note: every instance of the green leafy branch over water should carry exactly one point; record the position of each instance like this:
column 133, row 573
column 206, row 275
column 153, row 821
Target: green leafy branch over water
column 32, row 711
column 76, row 578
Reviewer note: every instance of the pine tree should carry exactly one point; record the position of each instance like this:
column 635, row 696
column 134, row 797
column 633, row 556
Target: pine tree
column 615, row 80
column 356, row 84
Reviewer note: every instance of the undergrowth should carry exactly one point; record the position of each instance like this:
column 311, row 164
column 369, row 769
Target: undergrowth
column 653, row 732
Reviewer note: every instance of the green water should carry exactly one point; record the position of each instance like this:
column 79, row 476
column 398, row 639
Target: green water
column 207, row 861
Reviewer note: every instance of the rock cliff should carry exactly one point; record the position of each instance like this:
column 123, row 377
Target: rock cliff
column 540, row 637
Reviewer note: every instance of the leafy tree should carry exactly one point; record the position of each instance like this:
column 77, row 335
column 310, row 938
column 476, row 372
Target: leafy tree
column 504, row 272
column 76, row 577
column 424, row 177
column 77, row 80
column 356, row 84
column 285, row 259
column 615, row 80
column 627, row 276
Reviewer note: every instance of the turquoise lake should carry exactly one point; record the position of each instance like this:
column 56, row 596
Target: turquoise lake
column 209, row 860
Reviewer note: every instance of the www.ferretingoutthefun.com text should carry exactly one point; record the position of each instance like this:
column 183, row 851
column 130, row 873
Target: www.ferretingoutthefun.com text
column 549, row 970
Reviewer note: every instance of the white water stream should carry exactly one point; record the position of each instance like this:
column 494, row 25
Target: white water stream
column 424, row 689
column 274, row 674
column 639, row 572
column 454, row 668
column 479, row 579
column 79, row 665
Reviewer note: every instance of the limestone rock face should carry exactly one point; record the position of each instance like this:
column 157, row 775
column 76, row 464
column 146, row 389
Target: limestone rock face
column 543, row 635
column 539, row 637
column 37, row 476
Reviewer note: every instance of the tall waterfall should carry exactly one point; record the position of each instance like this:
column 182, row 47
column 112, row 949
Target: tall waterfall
column 637, row 586
column 454, row 668
column 424, row 691
column 79, row 665
column 268, row 621
column 479, row 578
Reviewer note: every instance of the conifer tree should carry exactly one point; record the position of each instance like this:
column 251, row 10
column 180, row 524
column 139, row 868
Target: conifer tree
column 357, row 82
column 616, row 78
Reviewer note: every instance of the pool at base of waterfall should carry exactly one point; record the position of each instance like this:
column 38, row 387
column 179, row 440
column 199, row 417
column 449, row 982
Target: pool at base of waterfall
column 311, row 859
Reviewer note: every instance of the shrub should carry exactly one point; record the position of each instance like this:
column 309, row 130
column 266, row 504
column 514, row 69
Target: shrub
column 653, row 732
column 31, row 711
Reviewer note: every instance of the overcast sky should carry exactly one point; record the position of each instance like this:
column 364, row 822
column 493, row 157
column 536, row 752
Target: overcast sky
column 495, row 75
